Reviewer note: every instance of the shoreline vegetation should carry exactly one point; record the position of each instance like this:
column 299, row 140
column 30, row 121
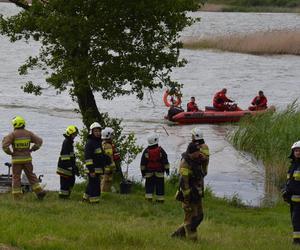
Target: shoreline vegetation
column 227, row 7
column 258, row 43
column 129, row 222
column 269, row 137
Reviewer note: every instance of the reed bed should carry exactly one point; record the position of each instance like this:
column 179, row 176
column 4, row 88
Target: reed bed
column 269, row 137
column 259, row 43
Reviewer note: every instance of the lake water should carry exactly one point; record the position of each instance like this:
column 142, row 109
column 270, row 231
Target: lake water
column 230, row 172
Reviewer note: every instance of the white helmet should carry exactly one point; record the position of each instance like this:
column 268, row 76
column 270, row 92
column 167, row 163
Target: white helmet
column 296, row 145
column 94, row 125
column 107, row 133
column 197, row 134
column 152, row 139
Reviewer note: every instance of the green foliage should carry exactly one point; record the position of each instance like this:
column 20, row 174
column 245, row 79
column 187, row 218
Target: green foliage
column 235, row 201
column 269, row 136
column 112, row 46
column 29, row 87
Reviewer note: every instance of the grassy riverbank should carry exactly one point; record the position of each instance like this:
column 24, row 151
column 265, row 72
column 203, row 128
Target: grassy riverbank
column 269, row 137
column 129, row 222
column 260, row 43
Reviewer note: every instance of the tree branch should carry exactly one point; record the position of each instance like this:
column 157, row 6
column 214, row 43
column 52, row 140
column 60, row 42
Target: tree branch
column 21, row 3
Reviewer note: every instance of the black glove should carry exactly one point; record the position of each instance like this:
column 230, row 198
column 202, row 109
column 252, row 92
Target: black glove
column 285, row 195
column 143, row 173
column 167, row 172
column 77, row 173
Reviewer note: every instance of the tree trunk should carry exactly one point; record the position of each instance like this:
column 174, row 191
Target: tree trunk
column 88, row 107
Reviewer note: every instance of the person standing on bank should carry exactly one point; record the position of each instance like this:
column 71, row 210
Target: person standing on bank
column 291, row 193
column 193, row 169
column 154, row 163
column 110, row 150
column 20, row 140
column 95, row 161
column 66, row 167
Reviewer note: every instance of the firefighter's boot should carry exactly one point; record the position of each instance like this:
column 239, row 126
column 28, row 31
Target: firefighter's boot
column 40, row 195
column 179, row 233
column 190, row 234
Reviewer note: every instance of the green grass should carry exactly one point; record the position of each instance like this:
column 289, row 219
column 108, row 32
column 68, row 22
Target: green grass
column 269, row 137
column 129, row 222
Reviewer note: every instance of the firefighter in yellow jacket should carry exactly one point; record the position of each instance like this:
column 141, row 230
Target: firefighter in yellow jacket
column 109, row 149
column 18, row 145
column 193, row 169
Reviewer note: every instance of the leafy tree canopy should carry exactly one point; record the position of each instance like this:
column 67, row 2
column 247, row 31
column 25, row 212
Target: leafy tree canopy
column 114, row 47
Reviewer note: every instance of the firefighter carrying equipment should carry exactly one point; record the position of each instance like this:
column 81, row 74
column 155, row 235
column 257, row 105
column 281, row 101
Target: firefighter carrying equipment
column 190, row 193
column 18, row 122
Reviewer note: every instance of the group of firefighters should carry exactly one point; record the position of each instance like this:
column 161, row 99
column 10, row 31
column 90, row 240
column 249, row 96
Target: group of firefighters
column 222, row 103
column 102, row 160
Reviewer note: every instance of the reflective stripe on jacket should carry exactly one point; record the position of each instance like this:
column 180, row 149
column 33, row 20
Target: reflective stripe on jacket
column 66, row 163
column 18, row 143
column 293, row 181
column 109, row 150
column 95, row 158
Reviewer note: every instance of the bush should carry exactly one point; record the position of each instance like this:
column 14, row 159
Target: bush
column 269, row 136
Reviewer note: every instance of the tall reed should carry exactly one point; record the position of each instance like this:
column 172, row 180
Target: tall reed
column 269, row 136
column 270, row 42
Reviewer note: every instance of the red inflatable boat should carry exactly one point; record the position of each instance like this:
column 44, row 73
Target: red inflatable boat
column 210, row 116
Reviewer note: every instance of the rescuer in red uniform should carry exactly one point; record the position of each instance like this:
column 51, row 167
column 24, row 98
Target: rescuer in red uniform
column 221, row 102
column 259, row 102
column 192, row 105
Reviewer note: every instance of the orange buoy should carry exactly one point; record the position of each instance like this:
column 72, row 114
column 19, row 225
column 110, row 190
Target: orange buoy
column 175, row 99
